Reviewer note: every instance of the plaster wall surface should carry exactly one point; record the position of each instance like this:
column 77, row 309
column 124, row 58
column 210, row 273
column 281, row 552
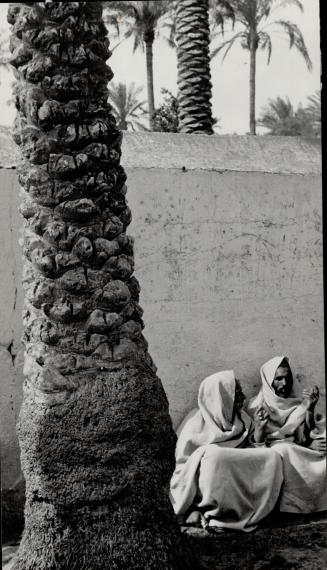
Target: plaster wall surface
column 11, row 349
column 228, row 251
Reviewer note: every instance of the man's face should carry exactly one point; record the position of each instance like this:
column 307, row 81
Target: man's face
column 283, row 381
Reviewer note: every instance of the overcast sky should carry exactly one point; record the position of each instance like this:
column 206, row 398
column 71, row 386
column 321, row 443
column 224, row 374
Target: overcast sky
column 286, row 75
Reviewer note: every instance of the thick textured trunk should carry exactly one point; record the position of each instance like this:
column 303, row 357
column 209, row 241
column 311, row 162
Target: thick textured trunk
column 193, row 66
column 149, row 75
column 253, row 53
column 97, row 444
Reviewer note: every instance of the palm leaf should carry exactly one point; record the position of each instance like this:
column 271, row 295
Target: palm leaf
column 265, row 43
column 227, row 44
column 126, row 106
column 277, row 4
column 314, row 101
column 313, row 109
column 296, row 39
column 221, row 11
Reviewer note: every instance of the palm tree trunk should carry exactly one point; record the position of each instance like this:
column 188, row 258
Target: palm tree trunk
column 97, row 444
column 253, row 53
column 123, row 125
column 149, row 73
column 193, row 65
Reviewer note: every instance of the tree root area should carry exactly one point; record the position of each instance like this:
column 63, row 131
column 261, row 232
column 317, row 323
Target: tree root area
column 100, row 543
column 289, row 543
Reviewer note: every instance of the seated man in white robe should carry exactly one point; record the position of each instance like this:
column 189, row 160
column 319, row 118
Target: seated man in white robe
column 286, row 422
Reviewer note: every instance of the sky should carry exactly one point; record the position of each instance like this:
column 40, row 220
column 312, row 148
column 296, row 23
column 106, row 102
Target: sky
column 285, row 76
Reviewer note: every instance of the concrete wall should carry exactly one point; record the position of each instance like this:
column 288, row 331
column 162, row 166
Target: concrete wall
column 11, row 351
column 228, row 250
column 228, row 244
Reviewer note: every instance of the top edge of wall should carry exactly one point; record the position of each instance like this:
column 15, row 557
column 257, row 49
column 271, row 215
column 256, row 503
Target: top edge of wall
column 243, row 153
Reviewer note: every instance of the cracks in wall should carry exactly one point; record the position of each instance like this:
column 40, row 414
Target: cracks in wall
column 14, row 267
column 10, row 349
column 15, row 298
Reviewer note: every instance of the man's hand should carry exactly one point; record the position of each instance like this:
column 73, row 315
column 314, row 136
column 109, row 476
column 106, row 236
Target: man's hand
column 319, row 445
column 261, row 418
column 310, row 397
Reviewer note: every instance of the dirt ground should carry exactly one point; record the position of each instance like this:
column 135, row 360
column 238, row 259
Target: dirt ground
column 283, row 543
column 291, row 543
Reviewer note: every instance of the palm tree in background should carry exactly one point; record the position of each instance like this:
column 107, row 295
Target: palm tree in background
column 140, row 19
column 193, row 66
column 165, row 117
column 313, row 109
column 97, row 443
column 126, row 106
column 280, row 118
column 257, row 23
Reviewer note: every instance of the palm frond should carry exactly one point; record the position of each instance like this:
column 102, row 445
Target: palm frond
column 227, row 44
column 276, row 113
column 140, row 126
column 222, row 11
column 265, row 43
column 264, row 8
column 170, row 25
column 313, row 109
column 280, row 118
column 137, row 109
column 277, row 4
column 126, row 105
column 296, row 39
column 228, row 48
column 314, row 100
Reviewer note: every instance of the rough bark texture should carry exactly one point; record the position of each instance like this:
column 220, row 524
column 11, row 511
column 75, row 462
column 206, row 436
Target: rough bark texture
column 97, row 444
column 193, row 66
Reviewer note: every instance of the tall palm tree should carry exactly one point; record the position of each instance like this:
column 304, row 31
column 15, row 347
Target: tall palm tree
column 126, row 106
column 140, row 19
column 97, row 444
column 193, row 66
column 257, row 24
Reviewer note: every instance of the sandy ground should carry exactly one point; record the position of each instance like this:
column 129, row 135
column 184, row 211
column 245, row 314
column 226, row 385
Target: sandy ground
column 288, row 543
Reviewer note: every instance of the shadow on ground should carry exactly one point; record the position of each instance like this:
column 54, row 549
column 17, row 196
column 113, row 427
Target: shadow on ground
column 288, row 542
column 291, row 542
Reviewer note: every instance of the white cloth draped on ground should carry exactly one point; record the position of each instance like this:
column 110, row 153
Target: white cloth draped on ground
column 304, row 470
column 233, row 486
